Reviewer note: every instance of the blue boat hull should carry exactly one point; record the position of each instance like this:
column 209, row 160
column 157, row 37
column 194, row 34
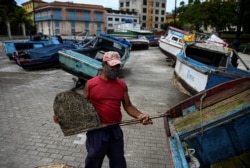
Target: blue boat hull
column 86, row 63
column 204, row 66
column 215, row 124
column 43, row 56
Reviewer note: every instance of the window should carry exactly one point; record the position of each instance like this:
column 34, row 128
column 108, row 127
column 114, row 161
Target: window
column 73, row 24
column 110, row 19
column 117, row 19
column 157, row 12
column 163, row 5
column 98, row 16
column 175, row 39
column 87, row 25
column 86, row 15
column 156, row 19
column 99, row 25
column 144, row 10
column 157, row 4
column 57, row 24
column 121, row 4
column 127, row 4
column 72, row 15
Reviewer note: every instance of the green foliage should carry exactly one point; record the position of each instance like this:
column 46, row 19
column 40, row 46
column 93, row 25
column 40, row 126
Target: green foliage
column 11, row 13
column 216, row 13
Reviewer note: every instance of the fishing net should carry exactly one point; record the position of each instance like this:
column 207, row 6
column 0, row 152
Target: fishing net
column 76, row 114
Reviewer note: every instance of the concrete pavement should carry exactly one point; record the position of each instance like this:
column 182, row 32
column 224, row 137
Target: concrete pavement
column 29, row 137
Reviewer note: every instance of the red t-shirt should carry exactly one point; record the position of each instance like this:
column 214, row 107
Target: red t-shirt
column 106, row 96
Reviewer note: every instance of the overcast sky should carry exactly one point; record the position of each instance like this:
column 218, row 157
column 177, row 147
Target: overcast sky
column 107, row 3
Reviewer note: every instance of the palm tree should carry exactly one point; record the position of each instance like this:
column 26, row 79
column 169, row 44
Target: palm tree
column 4, row 17
column 21, row 18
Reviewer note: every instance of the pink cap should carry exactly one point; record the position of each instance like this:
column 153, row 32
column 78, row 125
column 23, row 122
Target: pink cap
column 113, row 58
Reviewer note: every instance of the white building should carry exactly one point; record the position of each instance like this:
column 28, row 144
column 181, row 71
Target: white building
column 152, row 13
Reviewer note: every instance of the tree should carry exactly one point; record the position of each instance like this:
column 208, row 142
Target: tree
column 4, row 17
column 21, row 18
column 12, row 17
column 217, row 14
column 246, row 16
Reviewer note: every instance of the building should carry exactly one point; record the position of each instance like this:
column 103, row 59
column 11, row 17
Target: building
column 151, row 12
column 68, row 18
column 117, row 17
column 30, row 5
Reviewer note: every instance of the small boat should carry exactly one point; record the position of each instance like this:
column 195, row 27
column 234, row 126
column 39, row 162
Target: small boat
column 139, row 42
column 200, row 66
column 86, row 62
column 37, row 41
column 42, row 56
column 171, row 43
column 211, row 128
column 140, row 39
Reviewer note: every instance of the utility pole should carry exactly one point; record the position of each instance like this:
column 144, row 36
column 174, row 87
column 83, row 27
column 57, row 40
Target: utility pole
column 34, row 22
column 237, row 41
column 175, row 12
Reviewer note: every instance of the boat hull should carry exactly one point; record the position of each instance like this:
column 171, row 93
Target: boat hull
column 194, row 73
column 86, row 63
column 170, row 50
column 79, row 65
column 212, row 128
column 41, row 57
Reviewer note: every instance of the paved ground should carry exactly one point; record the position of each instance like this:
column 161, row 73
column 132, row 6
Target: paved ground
column 29, row 137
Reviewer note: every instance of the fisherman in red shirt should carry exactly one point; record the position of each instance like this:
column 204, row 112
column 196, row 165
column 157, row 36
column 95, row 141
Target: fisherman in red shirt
column 107, row 92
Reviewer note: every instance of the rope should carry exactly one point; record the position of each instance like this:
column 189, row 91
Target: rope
column 201, row 119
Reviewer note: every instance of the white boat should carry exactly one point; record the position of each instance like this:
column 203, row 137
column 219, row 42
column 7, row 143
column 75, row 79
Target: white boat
column 200, row 66
column 171, row 44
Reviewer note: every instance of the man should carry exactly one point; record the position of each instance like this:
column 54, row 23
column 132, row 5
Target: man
column 107, row 92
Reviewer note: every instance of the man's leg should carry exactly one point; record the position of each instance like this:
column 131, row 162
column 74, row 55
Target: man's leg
column 115, row 151
column 96, row 149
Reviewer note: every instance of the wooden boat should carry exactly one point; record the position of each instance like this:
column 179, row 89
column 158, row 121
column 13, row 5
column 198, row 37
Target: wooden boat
column 171, row 43
column 211, row 128
column 42, row 56
column 12, row 47
column 200, row 66
column 86, row 63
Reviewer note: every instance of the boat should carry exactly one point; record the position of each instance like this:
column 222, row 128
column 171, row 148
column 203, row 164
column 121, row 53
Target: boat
column 211, row 128
column 139, row 42
column 200, row 66
column 41, row 56
column 37, row 41
column 171, row 43
column 86, row 62
column 140, row 39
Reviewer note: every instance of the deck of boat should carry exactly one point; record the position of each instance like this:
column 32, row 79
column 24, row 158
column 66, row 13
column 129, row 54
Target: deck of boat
column 214, row 107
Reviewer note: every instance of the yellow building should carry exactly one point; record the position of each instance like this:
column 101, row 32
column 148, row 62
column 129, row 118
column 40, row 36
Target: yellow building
column 29, row 6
